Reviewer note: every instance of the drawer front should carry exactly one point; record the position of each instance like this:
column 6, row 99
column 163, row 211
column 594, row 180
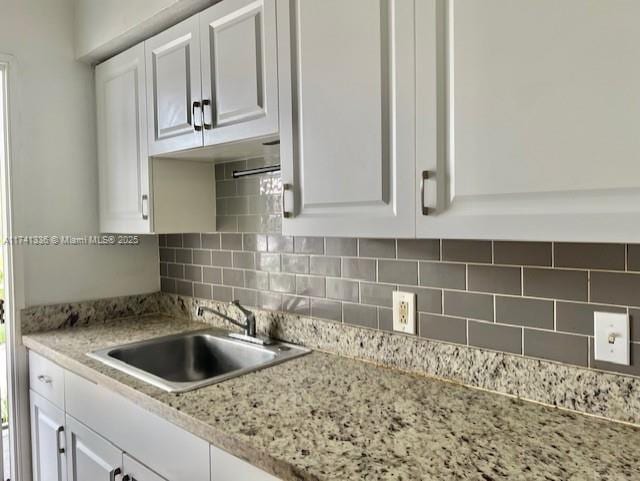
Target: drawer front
column 170, row 451
column 47, row 379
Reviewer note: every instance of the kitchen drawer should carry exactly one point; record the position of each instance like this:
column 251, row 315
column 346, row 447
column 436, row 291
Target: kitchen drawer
column 171, row 451
column 47, row 379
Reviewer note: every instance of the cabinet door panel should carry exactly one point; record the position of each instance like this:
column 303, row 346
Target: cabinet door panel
column 47, row 440
column 347, row 146
column 90, row 457
column 543, row 102
column 239, row 70
column 173, row 85
column 122, row 143
column 138, row 472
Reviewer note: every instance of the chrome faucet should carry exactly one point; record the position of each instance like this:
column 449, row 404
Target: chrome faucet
column 249, row 324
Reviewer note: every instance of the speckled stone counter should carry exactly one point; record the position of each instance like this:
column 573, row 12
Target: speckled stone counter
column 324, row 417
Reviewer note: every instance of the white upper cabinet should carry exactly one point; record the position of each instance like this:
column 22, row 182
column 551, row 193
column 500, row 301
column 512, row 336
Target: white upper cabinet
column 543, row 103
column 174, row 88
column 239, row 70
column 139, row 195
column 122, row 143
column 347, row 108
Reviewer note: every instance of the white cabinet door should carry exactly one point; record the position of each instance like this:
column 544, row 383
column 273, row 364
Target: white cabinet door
column 347, row 108
column 122, row 143
column 47, row 440
column 225, row 467
column 239, row 70
column 138, row 472
column 174, row 88
column 544, row 103
column 90, row 457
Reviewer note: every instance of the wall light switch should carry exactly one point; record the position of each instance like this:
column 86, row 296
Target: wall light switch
column 611, row 337
column 404, row 312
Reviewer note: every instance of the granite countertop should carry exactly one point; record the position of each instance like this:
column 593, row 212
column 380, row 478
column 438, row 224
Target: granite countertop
column 325, row 417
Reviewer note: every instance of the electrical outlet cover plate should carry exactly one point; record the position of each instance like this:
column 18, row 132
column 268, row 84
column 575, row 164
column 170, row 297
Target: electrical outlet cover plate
column 612, row 325
column 404, row 312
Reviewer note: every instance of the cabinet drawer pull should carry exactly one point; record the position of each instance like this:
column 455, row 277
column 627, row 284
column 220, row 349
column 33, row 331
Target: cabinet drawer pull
column 44, row 379
column 145, row 206
column 198, row 106
column 59, row 431
column 207, row 103
column 425, row 176
column 285, row 188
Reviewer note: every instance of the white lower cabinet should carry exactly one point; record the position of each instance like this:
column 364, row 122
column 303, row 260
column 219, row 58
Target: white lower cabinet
column 102, row 436
column 47, row 440
column 139, row 472
column 90, row 457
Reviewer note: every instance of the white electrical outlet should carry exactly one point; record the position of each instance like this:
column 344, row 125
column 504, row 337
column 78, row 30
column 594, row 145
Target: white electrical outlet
column 404, row 312
column 611, row 335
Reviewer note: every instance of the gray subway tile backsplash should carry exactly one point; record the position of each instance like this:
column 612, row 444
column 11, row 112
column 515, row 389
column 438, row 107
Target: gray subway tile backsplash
column 308, row 245
column 343, row 290
column 398, row 272
column 221, row 258
column 244, row 260
column 497, row 279
column 202, row 257
column 466, row 251
column 340, row 246
column 442, row 274
column 615, row 288
column 376, row 294
column 495, row 336
column 523, row 253
column 356, row 268
column 589, row 256
column 296, row 264
column 443, row 328
column 553, row 346
column 525, row 312
column 577, row 317
column 470, row 305
column 279, row 243
column 280, row 282
column 360, row 315
column 325, row 266
column 633, row 257
column 310, row 286
column 326, row 309
column 385, row 248
column 419, row 249
column 556, row 284
column 211, row 241
column 551, row 312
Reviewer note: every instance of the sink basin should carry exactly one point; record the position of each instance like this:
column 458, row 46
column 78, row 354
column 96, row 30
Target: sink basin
column 184, row 362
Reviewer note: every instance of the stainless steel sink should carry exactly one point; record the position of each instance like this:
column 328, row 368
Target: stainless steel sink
column 184, row 362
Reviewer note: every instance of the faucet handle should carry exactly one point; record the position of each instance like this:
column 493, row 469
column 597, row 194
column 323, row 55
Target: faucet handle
column 244, row 310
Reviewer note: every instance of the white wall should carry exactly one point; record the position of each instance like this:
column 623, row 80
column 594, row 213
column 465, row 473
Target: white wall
column 55, row 172
column 105, row 27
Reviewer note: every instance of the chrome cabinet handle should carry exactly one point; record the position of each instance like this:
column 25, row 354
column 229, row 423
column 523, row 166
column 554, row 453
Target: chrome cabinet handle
column 145, row 206
column 425, row 176
column 115, row 472
column 286, row 187
column 196, row 105
column 44, row 379
column 59, row 431
column 207, row 103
